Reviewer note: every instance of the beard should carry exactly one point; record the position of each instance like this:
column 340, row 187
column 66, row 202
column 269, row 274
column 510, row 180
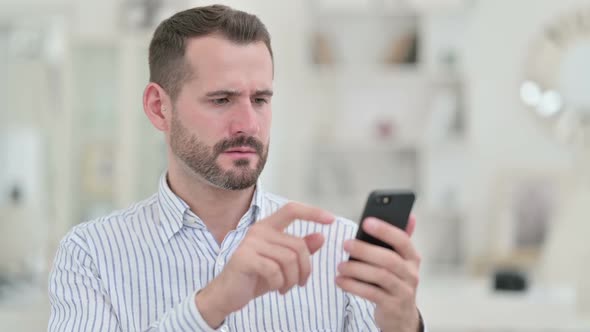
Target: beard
column 202, row 159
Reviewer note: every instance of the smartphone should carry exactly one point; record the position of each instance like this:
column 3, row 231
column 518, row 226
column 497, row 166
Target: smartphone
column 393, row 207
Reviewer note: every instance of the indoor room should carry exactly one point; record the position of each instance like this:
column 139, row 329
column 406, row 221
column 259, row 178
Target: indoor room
column 480, row 108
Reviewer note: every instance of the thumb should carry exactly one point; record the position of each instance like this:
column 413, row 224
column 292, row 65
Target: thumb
column 314, row 242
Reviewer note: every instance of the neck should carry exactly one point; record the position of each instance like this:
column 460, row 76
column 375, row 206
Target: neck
column 220, row 209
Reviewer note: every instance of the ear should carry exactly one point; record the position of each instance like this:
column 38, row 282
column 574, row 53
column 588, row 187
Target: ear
column 157, row 106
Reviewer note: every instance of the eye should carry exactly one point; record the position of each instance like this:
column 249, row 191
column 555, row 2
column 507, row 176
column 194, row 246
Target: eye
column 220, row 101
column 260, row 101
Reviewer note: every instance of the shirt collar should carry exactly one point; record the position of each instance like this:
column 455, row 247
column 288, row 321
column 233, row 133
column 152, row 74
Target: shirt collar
column 171, row 207
column 175, row 212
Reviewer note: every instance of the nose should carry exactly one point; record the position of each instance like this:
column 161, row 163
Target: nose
column 244, row 120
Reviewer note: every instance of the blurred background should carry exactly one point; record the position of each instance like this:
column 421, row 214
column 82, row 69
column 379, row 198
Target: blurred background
column 480, row 106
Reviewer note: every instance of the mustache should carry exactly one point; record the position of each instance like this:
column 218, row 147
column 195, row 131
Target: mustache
column 239, row 141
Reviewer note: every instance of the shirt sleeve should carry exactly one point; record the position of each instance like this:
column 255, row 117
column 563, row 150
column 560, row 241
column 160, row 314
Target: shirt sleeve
column 187, row 312
column 80, row 302
column 360, row 316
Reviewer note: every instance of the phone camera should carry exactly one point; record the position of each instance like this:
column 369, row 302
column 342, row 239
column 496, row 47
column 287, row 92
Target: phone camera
column 384, row 200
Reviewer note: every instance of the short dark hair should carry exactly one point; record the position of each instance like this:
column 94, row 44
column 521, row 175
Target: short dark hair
column 168, row 66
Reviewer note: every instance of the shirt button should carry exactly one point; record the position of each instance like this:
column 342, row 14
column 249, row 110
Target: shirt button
column 224, row 328
column 220, row 262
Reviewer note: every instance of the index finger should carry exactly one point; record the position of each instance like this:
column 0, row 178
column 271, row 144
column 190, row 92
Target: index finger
column 293, row 211
column 393, row 236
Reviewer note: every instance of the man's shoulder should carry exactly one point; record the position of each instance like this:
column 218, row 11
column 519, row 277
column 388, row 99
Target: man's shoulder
column 101, row 228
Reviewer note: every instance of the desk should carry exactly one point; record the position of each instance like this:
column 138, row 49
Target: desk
column 460, row 304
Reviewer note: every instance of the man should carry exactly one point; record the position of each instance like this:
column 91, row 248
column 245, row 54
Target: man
column 211, row 250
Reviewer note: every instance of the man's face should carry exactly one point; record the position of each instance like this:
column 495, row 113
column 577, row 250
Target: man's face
column 220, row 124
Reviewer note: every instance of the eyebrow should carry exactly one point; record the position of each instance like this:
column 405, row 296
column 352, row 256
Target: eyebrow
column 266, row 92
column 231, row 93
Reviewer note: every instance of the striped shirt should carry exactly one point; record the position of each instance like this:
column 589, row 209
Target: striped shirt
column 139, row 270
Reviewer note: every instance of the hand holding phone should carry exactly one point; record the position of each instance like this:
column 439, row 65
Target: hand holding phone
column 391, row 206
column 380, row 275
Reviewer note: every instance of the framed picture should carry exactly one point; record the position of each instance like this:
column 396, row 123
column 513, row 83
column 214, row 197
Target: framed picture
column 525, row 209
